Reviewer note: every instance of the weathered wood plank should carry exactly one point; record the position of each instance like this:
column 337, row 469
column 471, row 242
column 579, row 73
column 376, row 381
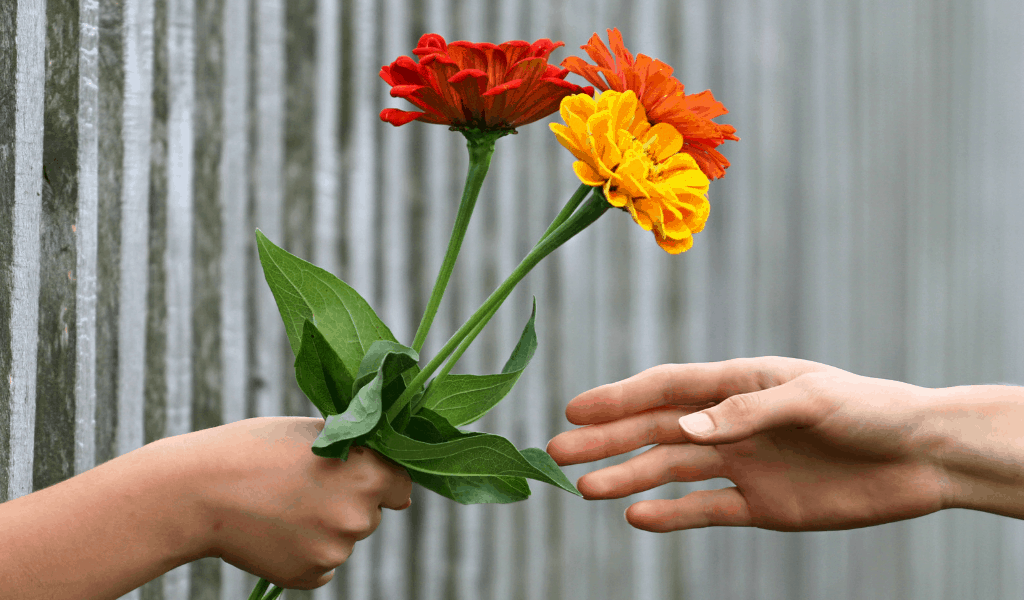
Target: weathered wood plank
column 540, row 207
column 128, row 404
column 180, row 223
column 267, row 118
column 8, row 141
column 435, row 544
column 506, row 521
column 466, row 291
column 299, row 144
column 207, row 247
column 86, row 236
column 327, row 157
column 156, row 364
column 156, row 293
column 362, row 250
column 327, row 226
column 27, row 142
column 394, row 548
column 55, row 410
column 431, row 578
column 237, row 241
column 135, row 224
column 110, row 116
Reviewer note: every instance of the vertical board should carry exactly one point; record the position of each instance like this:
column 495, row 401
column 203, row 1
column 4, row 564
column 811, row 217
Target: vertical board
column 24, row 142
column 236, row 242
column 8, row 140
column 56, row 358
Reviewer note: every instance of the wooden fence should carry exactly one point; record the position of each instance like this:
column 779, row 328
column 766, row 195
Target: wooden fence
column 871, row 219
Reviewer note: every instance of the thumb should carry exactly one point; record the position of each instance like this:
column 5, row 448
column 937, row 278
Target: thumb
column 743, row 415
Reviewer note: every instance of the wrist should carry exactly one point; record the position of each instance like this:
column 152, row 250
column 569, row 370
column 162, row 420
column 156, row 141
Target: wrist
column 974, row 437
column 189, row 525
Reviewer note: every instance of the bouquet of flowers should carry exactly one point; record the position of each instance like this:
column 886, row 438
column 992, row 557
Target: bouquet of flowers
column 642, row 146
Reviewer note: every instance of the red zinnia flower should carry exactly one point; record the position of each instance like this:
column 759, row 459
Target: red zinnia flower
column 662, row 97
column 481, row 86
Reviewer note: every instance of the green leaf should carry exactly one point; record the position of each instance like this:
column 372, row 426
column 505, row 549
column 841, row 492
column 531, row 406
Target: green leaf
column 478, row 454
column 335, row 449
column 543, row 462
column 396, row 358
column 462, row 399
column 361, row 416
column 428, row 426
column 402, row 418
column 526, row 346
column 321, row 374
column 304, row 292
column 474, row 490
column 389, row 360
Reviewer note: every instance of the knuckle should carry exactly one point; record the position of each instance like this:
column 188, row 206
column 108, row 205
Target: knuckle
column 362, row 526
column 678, row 467
column 405, row 485
column 357, row 521
column 721, row 511
column 377, row 478
column 769, row 373
column 333, row 555
column 810, row 385
column 813, row 396
column 649, row 433
column 766, row 371
column 745, row 405
column 665, row 380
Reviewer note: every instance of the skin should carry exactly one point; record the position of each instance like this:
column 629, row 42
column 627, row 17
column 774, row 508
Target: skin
column 808, row 446
column 250, row 492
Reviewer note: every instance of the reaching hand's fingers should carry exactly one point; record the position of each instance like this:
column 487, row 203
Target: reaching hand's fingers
column 704, row 508
column 661, row 464
column 695, row 384
column 595, row 442
column 743, row 415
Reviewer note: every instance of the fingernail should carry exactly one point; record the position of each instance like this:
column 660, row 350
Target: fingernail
column 697, row 424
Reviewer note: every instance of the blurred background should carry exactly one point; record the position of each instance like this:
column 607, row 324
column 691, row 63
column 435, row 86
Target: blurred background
column 871, row 220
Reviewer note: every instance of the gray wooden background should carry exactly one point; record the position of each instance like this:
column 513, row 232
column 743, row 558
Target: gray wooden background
column 872, row 219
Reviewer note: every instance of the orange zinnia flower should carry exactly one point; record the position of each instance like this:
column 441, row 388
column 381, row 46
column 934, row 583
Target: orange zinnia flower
column 662, row 97
column 478, row 86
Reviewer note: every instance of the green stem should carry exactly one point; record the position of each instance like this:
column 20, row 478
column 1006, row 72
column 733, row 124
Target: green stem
column 481, row 148
column 564, row 214
column 579, row 221
column 259, row 590
column 570, row 206
column 464, row 345
column 275, row 592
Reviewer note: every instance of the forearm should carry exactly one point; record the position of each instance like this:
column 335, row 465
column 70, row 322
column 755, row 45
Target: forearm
column 977, row 436
column 102, row 533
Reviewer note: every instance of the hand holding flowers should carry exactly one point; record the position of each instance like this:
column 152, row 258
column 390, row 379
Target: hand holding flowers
column 643, row 146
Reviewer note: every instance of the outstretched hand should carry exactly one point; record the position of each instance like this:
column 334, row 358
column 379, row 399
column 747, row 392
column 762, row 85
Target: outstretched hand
column 808, row 446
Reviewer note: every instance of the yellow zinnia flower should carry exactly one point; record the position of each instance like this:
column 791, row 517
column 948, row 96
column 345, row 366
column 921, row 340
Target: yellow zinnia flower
column 640, row 167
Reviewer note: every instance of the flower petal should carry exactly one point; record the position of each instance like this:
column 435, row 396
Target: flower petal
column 587, row 174
column 398, row 117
